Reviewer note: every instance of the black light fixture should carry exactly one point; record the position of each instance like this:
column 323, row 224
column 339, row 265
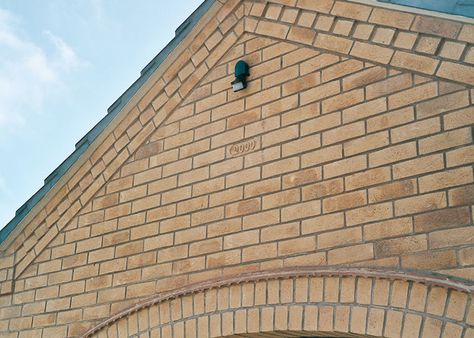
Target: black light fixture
column 241, row 73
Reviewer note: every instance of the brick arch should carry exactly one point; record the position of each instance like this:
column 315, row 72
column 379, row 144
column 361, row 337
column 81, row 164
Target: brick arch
column 304, row 301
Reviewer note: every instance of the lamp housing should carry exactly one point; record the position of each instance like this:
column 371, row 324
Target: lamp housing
column 241, row 73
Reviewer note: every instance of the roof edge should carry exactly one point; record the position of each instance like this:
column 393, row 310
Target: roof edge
column 83, row 144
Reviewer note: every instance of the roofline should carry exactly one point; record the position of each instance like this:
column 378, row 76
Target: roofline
column 83, row 144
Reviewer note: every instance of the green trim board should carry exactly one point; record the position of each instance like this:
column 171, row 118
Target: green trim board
column 83, row 144
column 456, row 7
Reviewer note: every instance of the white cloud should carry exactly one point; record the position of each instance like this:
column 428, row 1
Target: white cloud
column 28, row 72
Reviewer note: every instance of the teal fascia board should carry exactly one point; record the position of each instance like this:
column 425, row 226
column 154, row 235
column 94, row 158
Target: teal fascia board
column 456, row 7
column 84, row 143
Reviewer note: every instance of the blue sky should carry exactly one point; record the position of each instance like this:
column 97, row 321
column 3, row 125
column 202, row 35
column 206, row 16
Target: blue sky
column 62, row 64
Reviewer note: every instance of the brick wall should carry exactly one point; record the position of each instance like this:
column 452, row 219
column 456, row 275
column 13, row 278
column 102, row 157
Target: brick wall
column 352, row 146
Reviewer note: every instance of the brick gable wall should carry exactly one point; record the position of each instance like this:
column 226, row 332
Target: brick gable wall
column 352, row 146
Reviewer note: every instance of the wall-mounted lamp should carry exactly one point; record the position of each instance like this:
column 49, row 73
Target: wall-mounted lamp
column 241, row 73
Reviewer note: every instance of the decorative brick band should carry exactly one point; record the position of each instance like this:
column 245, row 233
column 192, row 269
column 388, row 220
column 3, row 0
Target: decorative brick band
column 289, row 274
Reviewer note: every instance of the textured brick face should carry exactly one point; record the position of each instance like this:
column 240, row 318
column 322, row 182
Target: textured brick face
column 348, row 148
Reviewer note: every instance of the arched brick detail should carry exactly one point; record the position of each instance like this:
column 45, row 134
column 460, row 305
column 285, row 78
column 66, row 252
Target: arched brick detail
column 339, row 302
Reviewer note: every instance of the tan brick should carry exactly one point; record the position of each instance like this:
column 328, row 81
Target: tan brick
column 452, row 50
column 318, row 62
column 272, row 29
column 390, row 119
column 193, row 176
column 302, row 177
column 456, row 72
column 301, row 145
column 301, row 35
column 244, row 118
column 442, row 104
column 391, row 18
column 280, row 106
column 401, row 245
column 241, row 239
column 388, row 86
column 175, row 223
column 280, row 135
column 342, row 101
column 350, row 254
column 366, row 143
column 466, row 256
column 319, row 92
column 206, row 246
column 340, row 70
column 461, row 196
column 207, row 215
column 363, row 31
column 279, row 232
column 459, row 118
column 161, row 213
column 428, row 44
column 405, row 40
column 430, row 260
column 345, row 166
column 280, row 167
column 261, row 219
column 326, row 188
column 419, row 63
column 440, row 219
column 445, row 140
column 301, row 210
column 343, row 133
column 456, row 305
column 344, row 201
column 364, row 77
column 223, row 258
column 210, row 102
column 460, row 156
column 173, row 253
column 415, row 130
column 372, row 52
column 289, row 15
column 392, row 154
column 226, row 166
column 369, row 213
column 262, row 187
column 448, row 238
column 420, row 203
column 225, row 196
column 436, row 26
column 209, row 157
column 280, row 198
column 301, row 83
column 389, row 228
column 410, row 96
column 326, row 121
column 418, row 166
column 280, row 76
column 446, row 179
column 343, row 27
column 298, row 245
column 340, row 238
column 333, row 43
column 368, row 178
column 227, row 137
column 323, row 6
column 190, row 235
column 242, row 207
column 262, row 126
column 364, row 110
